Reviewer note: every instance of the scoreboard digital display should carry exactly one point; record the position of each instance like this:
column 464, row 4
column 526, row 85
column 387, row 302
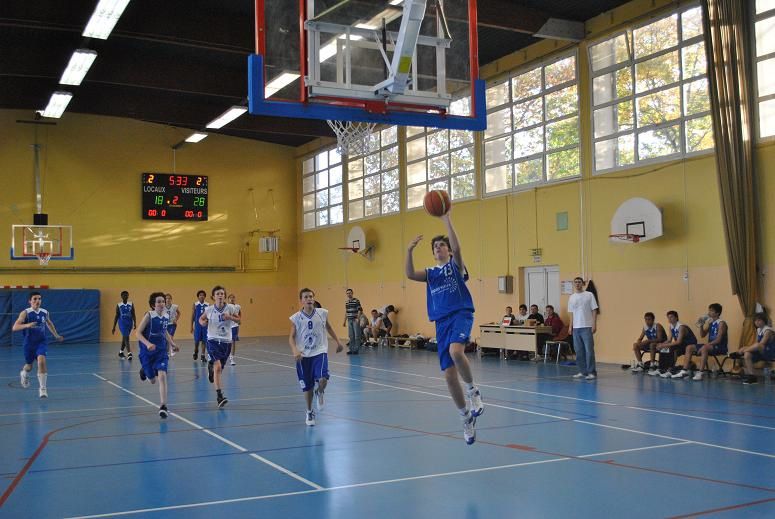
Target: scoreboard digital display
column 174, row 197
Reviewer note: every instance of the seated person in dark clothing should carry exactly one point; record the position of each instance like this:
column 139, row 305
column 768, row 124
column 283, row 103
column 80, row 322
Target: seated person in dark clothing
column 534, row 314
column 508, row 318
column 553, row 320
column 761, row 350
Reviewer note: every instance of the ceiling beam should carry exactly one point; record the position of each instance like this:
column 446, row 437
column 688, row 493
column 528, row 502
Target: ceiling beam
column 499, row 14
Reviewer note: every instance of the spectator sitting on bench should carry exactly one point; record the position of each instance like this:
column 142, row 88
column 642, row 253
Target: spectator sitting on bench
column 386, row 322
column 652, row 335
column 682, row 340
column 363, row 323
column 762, row 350
column 716, row 331
column 509, row 318
column 377, row 328
column 535, row 314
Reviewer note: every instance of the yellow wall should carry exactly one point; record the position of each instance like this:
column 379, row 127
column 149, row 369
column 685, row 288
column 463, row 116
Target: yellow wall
column 685, row 270
column 91, row 169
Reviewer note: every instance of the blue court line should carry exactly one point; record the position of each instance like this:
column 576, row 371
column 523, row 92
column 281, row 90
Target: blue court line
column 219, row 437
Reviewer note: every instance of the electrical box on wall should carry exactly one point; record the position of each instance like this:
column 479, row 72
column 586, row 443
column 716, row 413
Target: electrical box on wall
column 505, row 284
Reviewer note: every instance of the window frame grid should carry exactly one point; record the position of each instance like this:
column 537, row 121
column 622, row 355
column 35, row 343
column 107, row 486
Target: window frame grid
column 341, row 164
column 758, row 99
column 511, row 103
column 379, row 151
column 448, row 178
column 637, row 131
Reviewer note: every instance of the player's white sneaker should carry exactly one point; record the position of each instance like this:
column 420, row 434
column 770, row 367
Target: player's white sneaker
column 681, row 374
column 469, row 430
column 310, row 418
column 42, row 393
column 477, row 406
column 319, row 399
column 24, row 378
column 231, row 360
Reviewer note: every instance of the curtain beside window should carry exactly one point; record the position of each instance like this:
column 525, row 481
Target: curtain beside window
column 727, row 26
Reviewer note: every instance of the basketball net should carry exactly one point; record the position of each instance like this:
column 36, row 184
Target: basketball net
column 352, row 137
column 43, row 258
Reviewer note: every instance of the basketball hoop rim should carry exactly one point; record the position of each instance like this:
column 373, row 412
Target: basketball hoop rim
column 43, row 258
column 633, row 238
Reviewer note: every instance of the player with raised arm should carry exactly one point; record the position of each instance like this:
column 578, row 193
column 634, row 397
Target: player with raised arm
column 451, row 307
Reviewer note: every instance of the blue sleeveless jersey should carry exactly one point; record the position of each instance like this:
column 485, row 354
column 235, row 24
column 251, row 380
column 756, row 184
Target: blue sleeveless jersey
column 156, row 329
column 37, row 334
column 125, row 312
column 689, row 337
column 769, row 347
column 713, row 332
column 651, row 333
column 199, row 309
column 446, row 290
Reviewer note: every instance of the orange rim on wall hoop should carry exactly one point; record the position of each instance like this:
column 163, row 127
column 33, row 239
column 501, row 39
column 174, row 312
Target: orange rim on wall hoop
column 632, row 238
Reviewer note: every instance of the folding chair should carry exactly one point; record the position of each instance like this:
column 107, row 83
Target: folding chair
column 564, row 339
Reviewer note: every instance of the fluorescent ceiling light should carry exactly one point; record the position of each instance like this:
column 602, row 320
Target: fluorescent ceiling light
column 280, row 82
column 79, row 65
column 227, row 117
column 396, row 2
column 104, row 18
column 56, row 105
column 196, row 137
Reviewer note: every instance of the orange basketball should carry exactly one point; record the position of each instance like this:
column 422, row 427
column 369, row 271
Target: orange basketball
column 437, row 203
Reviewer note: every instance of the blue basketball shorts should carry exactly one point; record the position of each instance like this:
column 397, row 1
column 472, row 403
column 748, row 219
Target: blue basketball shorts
column 235, row 334
column 200, row 333
column 455, row 327
column 219, row 351
column 32, row 351
column 311, row 369
column 171, row 329
column 154, row 361
column 125, row 327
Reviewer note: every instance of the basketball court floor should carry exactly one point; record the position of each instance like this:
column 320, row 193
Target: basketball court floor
column 387, row 444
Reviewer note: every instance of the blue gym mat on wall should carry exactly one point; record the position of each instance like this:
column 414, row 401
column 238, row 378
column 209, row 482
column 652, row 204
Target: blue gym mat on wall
column 75, row 314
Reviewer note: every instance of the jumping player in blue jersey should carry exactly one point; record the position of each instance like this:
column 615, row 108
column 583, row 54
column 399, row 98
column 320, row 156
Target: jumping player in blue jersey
column 199, row 331
column 309, row 347
column 33, row 322
column 154, row 341
column 218, row 319
column 126, row 320
column 451, row 307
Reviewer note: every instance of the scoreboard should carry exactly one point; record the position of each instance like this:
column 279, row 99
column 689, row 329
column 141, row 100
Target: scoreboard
column 174, row 197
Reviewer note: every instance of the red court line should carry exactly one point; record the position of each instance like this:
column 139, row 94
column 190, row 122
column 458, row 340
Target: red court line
column 723, row 509
column 43, row 443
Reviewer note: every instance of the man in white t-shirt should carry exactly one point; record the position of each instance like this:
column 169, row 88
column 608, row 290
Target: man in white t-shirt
column 583, row 309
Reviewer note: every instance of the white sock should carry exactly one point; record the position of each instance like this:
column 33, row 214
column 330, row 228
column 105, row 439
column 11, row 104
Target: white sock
column 470, row 387
column 463, row 411
column 42, row 379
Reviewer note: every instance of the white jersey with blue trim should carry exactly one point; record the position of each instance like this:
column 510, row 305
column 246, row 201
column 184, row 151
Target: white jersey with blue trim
column 311, row 331
column 218, row 328
column 236, row 311
column 173, row 313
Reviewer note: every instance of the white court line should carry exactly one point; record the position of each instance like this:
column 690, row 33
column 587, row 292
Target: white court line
column 371, row 483
column 219, row 437
column 598, row 402
column 519, row 410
